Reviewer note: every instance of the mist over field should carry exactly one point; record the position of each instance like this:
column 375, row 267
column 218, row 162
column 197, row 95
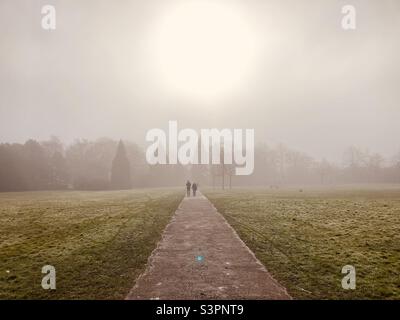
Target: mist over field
column 303, row 81
column 200, row 150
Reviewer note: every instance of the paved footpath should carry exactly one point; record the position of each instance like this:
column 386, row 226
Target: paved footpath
column 201, row 257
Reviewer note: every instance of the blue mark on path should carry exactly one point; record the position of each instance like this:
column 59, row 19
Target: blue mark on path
column 200, row 258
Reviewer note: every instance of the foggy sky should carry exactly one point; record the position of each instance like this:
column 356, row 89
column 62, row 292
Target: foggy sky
column 313, row 86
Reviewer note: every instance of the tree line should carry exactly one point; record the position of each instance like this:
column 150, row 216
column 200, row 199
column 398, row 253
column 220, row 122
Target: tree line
column 107, row 164
column 280, row 165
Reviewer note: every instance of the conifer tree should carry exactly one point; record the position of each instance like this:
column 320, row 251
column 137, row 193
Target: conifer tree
column 120, row 170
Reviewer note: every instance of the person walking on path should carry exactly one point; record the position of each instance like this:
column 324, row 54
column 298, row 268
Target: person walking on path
column 194, row 188
column 188, row 185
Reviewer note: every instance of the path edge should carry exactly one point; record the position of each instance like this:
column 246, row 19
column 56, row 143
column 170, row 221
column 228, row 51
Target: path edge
column 149, row 264
column 263, row 267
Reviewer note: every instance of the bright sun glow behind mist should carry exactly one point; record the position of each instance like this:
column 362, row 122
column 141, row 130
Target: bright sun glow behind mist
column 203, row 49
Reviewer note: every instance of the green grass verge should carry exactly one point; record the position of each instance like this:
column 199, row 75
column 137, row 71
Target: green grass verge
column 99, row 242
column 305, row 237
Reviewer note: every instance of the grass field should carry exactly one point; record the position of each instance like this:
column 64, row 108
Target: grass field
column 305, row 237
column 99, row 242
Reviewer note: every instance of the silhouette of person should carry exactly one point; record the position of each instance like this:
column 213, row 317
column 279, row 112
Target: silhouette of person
column 188, row 185
column 194, row 188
